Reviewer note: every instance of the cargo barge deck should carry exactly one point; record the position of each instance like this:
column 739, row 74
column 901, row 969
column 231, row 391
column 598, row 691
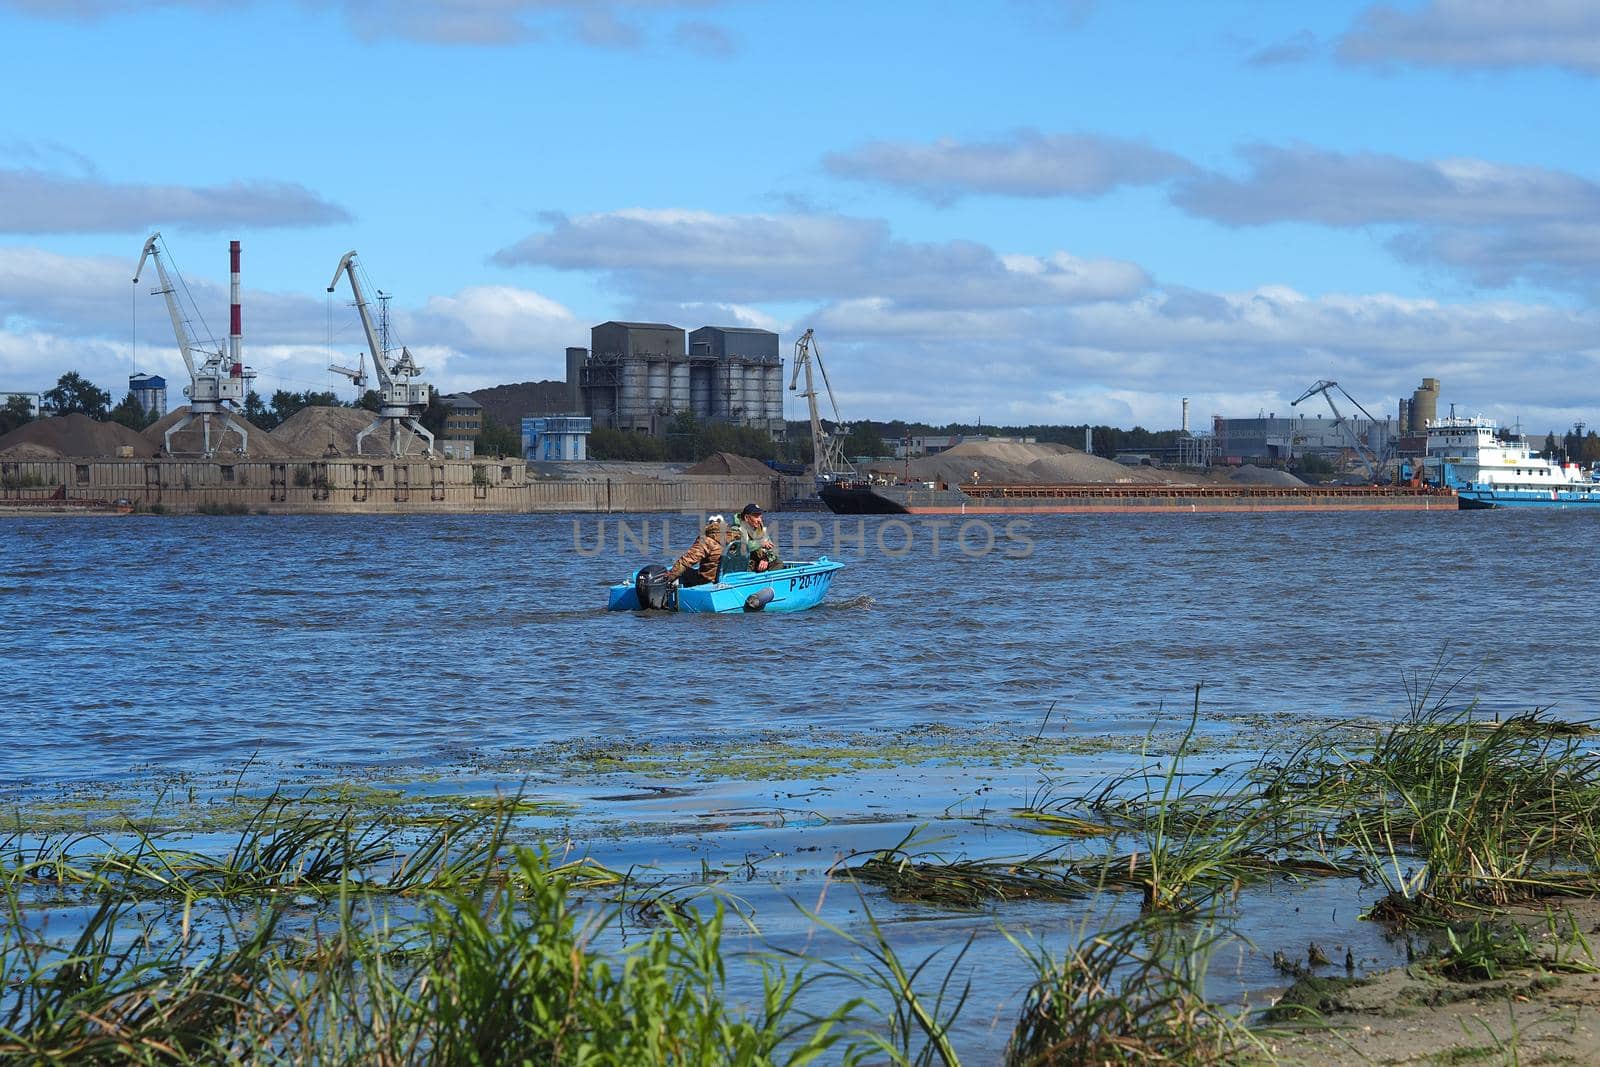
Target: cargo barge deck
column 857, row 499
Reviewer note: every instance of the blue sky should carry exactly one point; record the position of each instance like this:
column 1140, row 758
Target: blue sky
column 1019, row 211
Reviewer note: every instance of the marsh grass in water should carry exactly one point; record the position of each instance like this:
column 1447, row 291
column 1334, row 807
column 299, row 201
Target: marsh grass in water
column 1131, row 993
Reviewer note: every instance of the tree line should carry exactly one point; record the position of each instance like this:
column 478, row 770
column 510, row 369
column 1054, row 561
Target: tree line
column 74, row 394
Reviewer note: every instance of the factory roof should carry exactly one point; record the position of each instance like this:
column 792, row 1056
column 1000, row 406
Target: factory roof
column 461, row 402
column 641, row 325
column 738, row 329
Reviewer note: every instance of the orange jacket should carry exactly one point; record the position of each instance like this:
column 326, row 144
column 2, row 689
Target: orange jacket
column 705, row 556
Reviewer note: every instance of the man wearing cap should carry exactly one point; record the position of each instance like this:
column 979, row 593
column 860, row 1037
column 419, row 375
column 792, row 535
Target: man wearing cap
column 750, row 539
column 700, row 564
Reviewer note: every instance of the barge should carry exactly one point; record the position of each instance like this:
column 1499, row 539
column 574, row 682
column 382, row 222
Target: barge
column 846, row 498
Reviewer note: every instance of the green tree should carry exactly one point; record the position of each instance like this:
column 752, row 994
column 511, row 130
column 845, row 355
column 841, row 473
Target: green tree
column 620, row 445
column 864, row 440
column 76, row 394
column 497, row 440
column 17, row 411
column 257, row 413
column 434, row 416
column 286, row 402
column 368, row 401
column 132, row 414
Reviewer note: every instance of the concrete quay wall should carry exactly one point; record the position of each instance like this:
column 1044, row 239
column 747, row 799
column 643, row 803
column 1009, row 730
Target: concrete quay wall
column 344, row 486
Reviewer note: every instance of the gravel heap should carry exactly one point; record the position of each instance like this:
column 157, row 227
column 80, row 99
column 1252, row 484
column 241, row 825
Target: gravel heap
column 76, row 436
column 321, row 431
column 726, row 464
column 1004, row 463
column 191, row 441
column 1253, row 475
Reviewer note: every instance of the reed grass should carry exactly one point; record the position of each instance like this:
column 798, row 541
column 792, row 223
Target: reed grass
column 1129, row 994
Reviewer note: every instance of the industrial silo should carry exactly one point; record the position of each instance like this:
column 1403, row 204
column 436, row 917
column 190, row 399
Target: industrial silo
column 1425, row 404
column 755, row 392
column 659, row 385
column 678, row 387
column 576, row 358
column 774, row 412
column 702, row 379
column 633, row 399
column 730, row 391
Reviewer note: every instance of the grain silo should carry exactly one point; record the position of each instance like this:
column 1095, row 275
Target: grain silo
column 1424, row 405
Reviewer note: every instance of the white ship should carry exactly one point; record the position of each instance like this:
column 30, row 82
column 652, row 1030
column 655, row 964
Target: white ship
column 1489, row 470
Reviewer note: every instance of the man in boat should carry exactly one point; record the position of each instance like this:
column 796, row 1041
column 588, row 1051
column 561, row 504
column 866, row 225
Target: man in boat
column 700, row 564
column 751, row 541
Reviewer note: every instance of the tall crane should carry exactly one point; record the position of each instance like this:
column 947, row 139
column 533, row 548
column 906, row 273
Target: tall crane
column 1370, row 459
column 217, row 381
column 827, row 452
column 401, row 398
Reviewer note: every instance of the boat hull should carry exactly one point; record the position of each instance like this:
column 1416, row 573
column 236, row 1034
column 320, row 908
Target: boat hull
column 793, row 588
column 1112, row 499
column 1480, row 498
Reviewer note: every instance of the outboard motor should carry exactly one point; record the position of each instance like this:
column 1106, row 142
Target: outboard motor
column 654, row 589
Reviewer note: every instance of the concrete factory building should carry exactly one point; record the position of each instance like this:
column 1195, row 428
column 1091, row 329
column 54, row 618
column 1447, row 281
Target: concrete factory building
column 1274, row 439
column 638, row 376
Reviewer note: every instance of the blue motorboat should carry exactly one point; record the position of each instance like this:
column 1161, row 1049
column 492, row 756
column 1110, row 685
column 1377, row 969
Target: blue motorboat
column 792, row 587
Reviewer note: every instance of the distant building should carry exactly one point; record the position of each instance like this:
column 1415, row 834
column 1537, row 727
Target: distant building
column 149, row 392
column 35, row 401
column 462, row 425
column 639, row 376
column 1278, row 440
column 556, row 438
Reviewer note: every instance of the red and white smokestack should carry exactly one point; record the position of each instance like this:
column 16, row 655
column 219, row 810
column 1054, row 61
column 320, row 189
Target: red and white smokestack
column 235, row 319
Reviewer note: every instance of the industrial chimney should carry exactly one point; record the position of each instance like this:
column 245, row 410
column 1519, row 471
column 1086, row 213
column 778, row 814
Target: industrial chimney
column 235, row 319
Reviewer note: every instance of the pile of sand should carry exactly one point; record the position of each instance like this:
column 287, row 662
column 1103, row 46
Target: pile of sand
column 24, row 452
column 323, row 431
column 77, row 436
column 726, row 464
column 191, row 441
column 1253, row 475
column 1004, row 463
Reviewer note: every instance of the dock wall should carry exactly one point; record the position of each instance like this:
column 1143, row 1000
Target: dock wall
column 344, row 486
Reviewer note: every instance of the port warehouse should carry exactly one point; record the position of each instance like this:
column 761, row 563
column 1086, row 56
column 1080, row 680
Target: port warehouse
column 347, row 485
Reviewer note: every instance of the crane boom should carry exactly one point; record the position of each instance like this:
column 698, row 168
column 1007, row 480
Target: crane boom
column 180, row 327
column 1369, row 457
column 827, row 454
column 347, row 267
column 401, row 398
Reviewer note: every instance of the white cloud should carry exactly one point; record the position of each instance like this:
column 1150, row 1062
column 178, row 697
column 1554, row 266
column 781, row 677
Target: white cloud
column 1026, row 163
column 1478, row 34
column 34, row 201
column 689, row 256
column 468, row 23
column 1306, row 184
column 1494, row 223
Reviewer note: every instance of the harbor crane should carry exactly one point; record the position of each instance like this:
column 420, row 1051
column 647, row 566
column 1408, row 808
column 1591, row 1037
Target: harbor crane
column 401, row 397
column 1370, row 459
column 218, row 382
column 827, row 451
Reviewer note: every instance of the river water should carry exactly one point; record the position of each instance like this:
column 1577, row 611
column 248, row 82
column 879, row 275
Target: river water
column 189, row 643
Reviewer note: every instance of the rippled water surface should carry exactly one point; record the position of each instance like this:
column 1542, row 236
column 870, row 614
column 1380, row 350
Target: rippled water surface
column 189, row 643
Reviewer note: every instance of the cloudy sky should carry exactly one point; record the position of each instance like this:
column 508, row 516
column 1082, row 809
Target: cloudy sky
column 1017, row 211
